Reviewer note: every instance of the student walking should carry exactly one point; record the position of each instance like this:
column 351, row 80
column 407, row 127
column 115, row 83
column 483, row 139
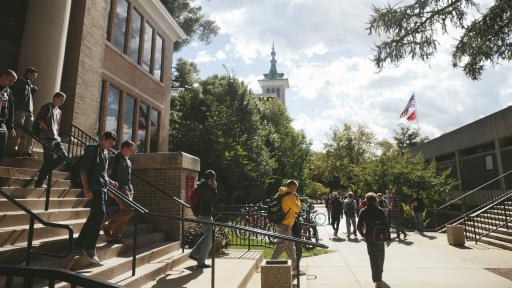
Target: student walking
column 336, row 212
column 349, row 209
column 418, row 207
column 6, row 109
column 95, row 181
column 375, row 233
column 48, row 120
column 327, row 201
column 383, row 204
column 207, row 194
column 120, row 171
column 291, row 206
column 395, row 215
column 23, row 91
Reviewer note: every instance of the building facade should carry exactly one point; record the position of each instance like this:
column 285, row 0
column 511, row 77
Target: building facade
column 273, row 85
column 112, row 58
column 476, row 153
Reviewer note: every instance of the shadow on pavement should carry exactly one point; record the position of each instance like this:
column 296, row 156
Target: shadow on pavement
column 179, row 278
column 404, row 242
column 428, row 236
column 337, row 239
column 355, row 240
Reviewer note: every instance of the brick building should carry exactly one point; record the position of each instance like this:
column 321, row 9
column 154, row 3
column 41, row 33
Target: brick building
column 112, row 58
column 476, row 153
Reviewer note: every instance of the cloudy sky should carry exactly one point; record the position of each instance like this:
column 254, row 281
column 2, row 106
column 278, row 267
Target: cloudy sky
column 324, row 51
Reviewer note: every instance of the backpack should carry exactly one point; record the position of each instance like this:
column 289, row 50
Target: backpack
column 380, row 233
column 194, row 201
column 349, row 208
column 36, row 128
column 275, row 212
column 336, row 206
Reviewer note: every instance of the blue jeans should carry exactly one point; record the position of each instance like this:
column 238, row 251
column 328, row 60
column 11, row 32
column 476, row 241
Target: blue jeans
column 418, row 217
column 202, row 248
column 48, row 155
column 91, row 230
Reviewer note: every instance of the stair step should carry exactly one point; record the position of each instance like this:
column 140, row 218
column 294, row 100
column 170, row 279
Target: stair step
column 19, row 218
column 496, row 243
column 234, row 270
column 30, row 173
column 27, row 182
column 31, row 192
column 38, row 204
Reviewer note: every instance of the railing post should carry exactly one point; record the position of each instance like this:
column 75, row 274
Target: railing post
column 213, row 255
column 297, row 268
column 250, row 225
column 134, row 246
column 29, row 242
column 49, row 185
column 182, row 230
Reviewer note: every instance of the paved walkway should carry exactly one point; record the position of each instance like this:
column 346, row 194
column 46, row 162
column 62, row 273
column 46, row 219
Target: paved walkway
column 421, row 261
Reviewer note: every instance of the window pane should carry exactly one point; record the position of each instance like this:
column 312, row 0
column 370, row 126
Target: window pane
column 98, row 128
column 120, row 27
column 109, row 18
column 155, row 125
column 112, row 109
column 142, row 127
column 129, row 107
column 148, row 42
column 133, row 51
column 158, row 57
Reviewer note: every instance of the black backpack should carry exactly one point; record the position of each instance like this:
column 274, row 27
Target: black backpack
column 36, row 127
column 380, row 232
column 275, row 213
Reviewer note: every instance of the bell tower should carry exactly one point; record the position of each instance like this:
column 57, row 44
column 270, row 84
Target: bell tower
column 273, row 84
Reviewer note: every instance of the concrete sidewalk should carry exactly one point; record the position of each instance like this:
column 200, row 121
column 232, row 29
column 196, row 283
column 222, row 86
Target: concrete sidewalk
column 421, row 261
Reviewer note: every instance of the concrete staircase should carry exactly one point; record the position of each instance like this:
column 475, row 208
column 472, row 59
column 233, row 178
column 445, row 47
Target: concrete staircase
column 155, row 254
column 491, row 218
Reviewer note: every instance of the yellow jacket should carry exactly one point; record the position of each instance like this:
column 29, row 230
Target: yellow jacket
column 290, row 204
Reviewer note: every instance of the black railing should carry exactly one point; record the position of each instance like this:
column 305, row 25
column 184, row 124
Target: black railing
column 34, row 217
column 457, row 209
column 138, row 209
column 497, row 215
column 29, row 274
column 79, row 139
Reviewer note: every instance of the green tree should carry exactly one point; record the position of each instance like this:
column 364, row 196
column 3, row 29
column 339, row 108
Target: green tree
column 185, row 75
column 407, row 138
column 315, row 190
column 411, row 29
column 192, row 21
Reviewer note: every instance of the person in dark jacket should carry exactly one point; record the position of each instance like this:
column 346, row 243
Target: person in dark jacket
column 22, row 92
column 418, row 207
column 336, row 212
column 95, row 181
column 207, row 192
column 6, row 108
column 369, row 218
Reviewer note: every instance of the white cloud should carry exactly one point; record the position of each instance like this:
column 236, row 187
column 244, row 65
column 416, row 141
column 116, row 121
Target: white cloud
column 203, row 57
column 220, row 55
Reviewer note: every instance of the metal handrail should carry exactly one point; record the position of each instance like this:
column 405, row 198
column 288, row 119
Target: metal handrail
column 33, row 217
column 474, row 190
column 52, row 275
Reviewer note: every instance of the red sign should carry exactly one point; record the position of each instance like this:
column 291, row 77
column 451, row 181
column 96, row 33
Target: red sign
column 190, row 185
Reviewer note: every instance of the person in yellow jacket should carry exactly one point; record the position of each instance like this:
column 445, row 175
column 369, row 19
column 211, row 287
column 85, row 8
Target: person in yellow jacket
column 291, row 206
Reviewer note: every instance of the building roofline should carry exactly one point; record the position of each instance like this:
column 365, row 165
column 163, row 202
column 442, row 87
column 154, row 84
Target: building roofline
column 162, row 18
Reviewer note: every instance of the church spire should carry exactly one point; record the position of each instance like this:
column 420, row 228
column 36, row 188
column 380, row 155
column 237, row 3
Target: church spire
column 273, row 74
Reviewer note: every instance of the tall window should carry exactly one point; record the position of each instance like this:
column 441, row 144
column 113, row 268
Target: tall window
column 278, row 91
column 128, row 110
column 159, row 48
column 133, row 50
column 120, row 24
column 142, row 127
column 155, row 127
column 100, row 118
column 148, row 43
column 109, row 17
column 112, row 112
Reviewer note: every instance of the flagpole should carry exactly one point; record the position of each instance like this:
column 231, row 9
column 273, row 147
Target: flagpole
column 417, row 121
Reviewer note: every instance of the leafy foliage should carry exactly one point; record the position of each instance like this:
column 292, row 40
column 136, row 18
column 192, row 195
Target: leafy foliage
column 407, row 138
column 412, row 30
column 192, row 21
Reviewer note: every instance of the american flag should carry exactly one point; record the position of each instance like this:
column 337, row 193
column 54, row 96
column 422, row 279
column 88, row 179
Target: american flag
column 410, row 105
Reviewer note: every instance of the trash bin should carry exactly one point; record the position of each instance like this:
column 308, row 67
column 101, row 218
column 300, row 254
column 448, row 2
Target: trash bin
column 455, row 235
column 276, row 274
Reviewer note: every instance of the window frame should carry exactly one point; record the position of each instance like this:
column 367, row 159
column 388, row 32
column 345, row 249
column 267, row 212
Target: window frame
column 158, row 127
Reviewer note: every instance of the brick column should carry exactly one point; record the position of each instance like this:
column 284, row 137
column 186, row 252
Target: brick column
column 169, row 172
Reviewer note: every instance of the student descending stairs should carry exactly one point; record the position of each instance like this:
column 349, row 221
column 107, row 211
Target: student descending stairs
column 155, row 254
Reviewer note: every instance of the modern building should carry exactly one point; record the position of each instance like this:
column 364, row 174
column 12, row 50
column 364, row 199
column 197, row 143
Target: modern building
column 476, row 153
column 273, row 85
column 112, row 58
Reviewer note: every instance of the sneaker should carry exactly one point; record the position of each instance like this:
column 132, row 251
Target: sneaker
column 29, row 155
column 203, row 266
column 40, row 185
column 91, row 254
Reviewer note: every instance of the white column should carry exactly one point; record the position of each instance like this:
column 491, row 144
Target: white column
column 44, row 44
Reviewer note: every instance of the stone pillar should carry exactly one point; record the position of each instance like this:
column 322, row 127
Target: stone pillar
column 44, row 43
column 499, row 163
column 457, row 166
column 169, row 172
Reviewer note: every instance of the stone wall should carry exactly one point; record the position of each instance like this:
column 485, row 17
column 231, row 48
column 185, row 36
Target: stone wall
column 169, row 172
